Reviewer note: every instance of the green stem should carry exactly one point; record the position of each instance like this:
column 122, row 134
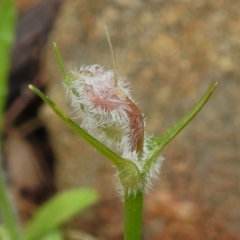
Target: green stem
column 7, row 210
column 133, row 207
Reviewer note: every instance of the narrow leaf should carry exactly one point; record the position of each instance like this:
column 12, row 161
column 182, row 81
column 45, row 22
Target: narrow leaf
column 157, row 144
column 113, row 157
column 58, row 210
column 4, row 234
column 59, row 60
column 54, row 235
column 120, row 163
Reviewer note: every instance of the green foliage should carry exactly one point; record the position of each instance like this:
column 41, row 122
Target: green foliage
column 58, row 210
column 4, row 234
column 54, row 235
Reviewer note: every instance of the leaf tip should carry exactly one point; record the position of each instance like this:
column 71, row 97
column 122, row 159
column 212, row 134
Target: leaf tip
column 214, row 85
column 55, row 46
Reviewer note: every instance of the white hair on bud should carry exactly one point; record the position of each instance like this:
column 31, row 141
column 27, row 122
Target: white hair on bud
column 102, row 121
column 100, row 102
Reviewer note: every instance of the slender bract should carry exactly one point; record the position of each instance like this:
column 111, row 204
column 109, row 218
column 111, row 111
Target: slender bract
column 161, row 142
column 116, row 160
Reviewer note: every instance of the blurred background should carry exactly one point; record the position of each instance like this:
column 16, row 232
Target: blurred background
column 171, row 52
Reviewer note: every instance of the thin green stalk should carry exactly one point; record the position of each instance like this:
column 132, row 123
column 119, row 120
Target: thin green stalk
column 133, row 207
column 60, row 62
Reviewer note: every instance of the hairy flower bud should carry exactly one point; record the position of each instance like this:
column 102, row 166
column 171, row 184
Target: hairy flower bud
column 107, row 110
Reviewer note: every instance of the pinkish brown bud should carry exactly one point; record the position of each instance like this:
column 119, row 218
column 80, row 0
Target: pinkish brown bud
column 108, row 112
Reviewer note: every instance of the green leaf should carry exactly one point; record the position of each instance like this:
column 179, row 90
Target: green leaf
column 125, row 167
column 119, row 162
column 60, row 62
column 54, row 235
column 4, row 234
column 157, row 144
column 57, row 211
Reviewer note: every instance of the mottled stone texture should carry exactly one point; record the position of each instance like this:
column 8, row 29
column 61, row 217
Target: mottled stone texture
column 170, row 51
